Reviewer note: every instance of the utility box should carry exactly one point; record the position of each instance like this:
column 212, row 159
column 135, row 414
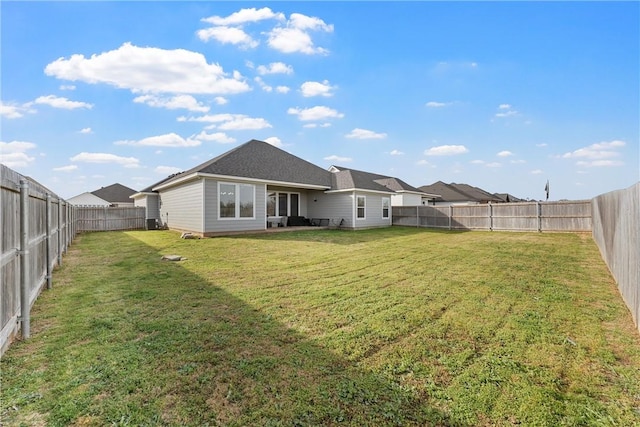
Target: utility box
column 152, row 224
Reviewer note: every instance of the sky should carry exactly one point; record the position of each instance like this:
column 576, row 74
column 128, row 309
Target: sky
column 504, row 96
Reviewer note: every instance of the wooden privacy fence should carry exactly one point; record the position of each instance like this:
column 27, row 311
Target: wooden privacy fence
column 525, row 216
column 37, row 228
column 99, row 218
column 616, row 230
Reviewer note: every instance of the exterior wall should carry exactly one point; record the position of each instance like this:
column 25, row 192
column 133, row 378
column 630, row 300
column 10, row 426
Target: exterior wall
column 213, row 224
column 181, row 207
column 406, row 200
column 332, row 206
column 151, row 204
column 373, row 211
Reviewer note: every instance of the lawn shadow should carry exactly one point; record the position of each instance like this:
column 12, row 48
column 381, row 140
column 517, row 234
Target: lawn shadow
column 160, row 345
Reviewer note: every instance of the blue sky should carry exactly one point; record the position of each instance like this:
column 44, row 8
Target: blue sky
column 500, row 95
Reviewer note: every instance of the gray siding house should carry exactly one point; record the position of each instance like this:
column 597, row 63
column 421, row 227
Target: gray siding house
column 256, row 185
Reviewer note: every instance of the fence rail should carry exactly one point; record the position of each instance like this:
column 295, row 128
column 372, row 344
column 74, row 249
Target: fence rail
column 525, row 216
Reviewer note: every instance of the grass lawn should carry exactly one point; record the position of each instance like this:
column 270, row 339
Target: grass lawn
column 382, row 327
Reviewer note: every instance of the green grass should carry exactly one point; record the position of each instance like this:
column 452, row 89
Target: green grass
column 381, row 327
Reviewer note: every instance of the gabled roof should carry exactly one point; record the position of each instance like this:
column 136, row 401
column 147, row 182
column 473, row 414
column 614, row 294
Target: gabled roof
column 459, row 193
column 345, row 178
column 115, row 193
column 260, row 160
column 88, row 199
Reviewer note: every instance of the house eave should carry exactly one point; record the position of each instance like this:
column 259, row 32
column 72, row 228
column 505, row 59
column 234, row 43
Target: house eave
column 362, row 190
column 142, row 194
column 241, row 179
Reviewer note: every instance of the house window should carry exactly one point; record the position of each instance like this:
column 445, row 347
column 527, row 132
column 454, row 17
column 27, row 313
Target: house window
column 283, row 204
column 360, row 205
column 385, row 207
column 271, row 204
column 236, row 200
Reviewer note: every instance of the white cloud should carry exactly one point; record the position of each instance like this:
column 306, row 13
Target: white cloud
column 446, row 150
column 422, row 162
column 599, row 163
column 506, row 110
column 262, row 84
column 245, row 123
column 69, row 168
column 358, row 133
column 85, row 131
column 436, row 104
column 598, row 151
column 493, row 165
column 477, row 162
column 244, row 16
column 167, row 170
column 67, row 87
column 148, row 69
column 11, row 111
column 166, row 140
column 61, row 102
column 323, row 88
column 396, row 153
column 537, row 172
column 282, row 89
column 187, row 102
column 230, row 121
column 544, row 144
column 228, row 35
column 275, row 68
column 315, row 113
column 334, row 158
column 104, row 158
column 295, row 36
column 518, row 162
column 505, row 153
column 275, row 141
column 14, row 154
column 219, row 137
column 220, row 100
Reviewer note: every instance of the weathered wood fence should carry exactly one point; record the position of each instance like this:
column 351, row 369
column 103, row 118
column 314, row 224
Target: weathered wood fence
column 526, row 216
column 37, row 228
column 99, row 218
column 616, row 230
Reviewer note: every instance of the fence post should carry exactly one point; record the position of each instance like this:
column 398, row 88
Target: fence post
column 450, row 215
column 48, row 240
column 25, row 305
column 59, row 231
column 417, row 217
column 490, row 217
column 539, row 213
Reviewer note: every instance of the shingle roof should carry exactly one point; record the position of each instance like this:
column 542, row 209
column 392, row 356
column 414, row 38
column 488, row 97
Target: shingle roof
column 260, row 160
column 459, row 193
column 370, row 181
column 115, row 193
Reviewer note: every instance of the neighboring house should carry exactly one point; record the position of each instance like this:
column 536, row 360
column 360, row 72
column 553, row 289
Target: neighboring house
column 256, row 185
column 403, row 193
column 508, row 198
column 117, row 194
column 458, row 194
column 88, row 199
